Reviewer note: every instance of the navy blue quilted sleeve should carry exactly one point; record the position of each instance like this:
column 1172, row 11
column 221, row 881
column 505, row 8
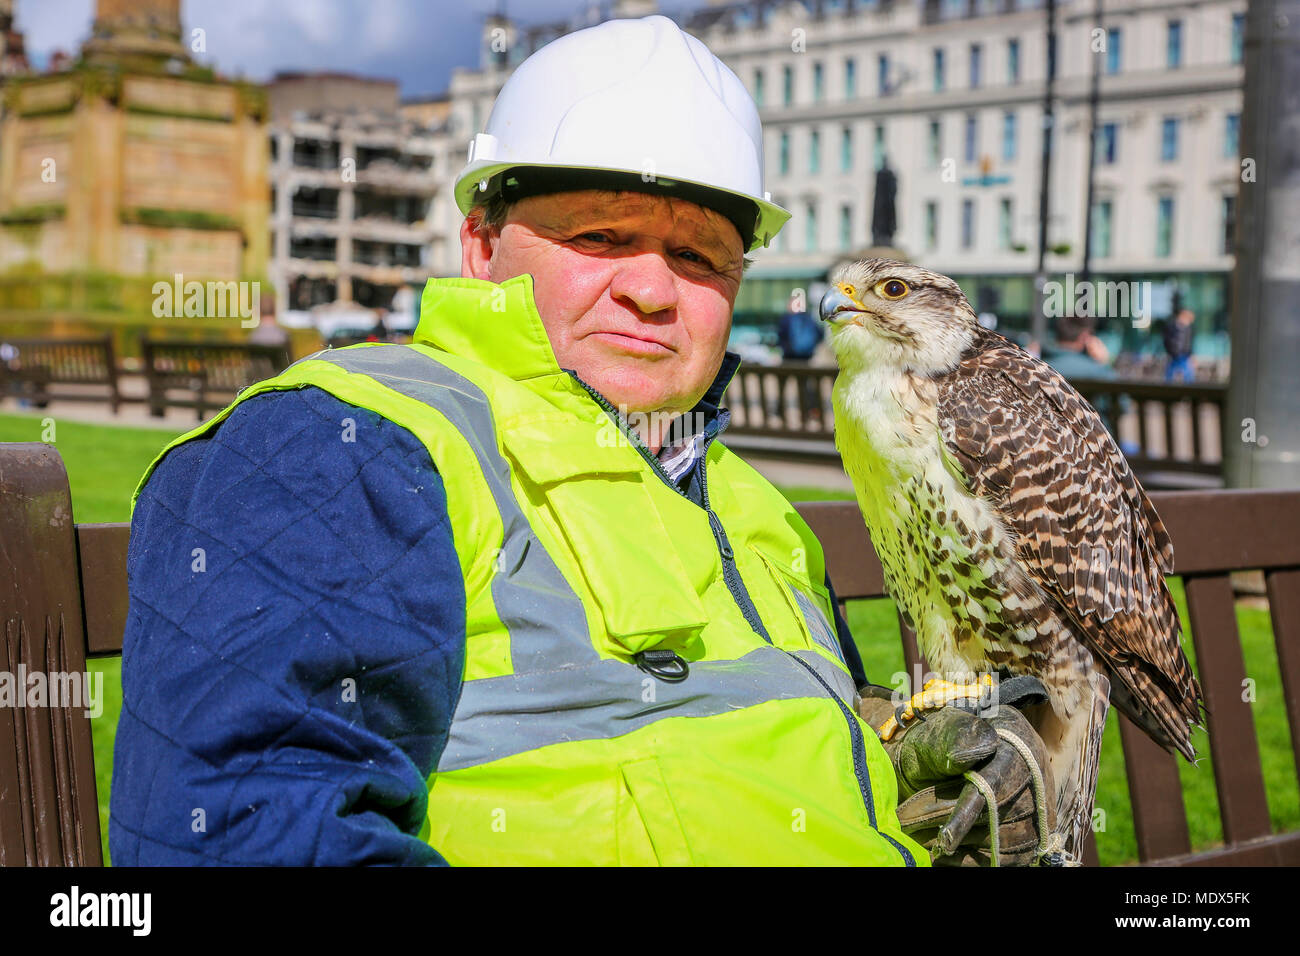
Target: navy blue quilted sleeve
column 294, row 646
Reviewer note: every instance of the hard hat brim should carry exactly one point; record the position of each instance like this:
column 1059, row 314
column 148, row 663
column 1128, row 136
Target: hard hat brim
column 768, row 218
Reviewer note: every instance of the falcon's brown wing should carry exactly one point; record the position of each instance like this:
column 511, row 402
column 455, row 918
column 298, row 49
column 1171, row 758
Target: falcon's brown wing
column 1087, row 532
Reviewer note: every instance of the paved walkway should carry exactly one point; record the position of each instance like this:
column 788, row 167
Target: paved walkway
column 96, row 413
column 799, row 473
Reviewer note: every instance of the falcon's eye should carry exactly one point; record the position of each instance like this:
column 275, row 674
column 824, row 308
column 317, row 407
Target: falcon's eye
column 892, row 289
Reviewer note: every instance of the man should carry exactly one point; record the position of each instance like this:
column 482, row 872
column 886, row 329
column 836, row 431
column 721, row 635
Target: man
column 798, row 334
column 500, row 596
column 1178, row 346
column 1079, row 354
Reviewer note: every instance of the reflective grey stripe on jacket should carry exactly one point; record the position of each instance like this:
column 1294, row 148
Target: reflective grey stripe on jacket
column 561, row 689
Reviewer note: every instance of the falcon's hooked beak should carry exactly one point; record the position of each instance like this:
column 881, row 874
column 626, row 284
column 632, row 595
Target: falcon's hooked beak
column 839, row 307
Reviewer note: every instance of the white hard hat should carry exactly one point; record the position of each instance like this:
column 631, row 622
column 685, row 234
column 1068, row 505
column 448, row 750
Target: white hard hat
column 627, row 104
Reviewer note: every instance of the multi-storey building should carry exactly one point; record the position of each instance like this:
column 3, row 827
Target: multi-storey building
column 353, row 176
column 950, row 94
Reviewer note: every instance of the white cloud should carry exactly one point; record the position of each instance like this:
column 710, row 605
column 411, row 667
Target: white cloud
column 416, row 42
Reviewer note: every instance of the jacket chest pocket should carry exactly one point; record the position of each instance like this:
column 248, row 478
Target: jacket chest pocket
column 614, row 534
column 810, row 604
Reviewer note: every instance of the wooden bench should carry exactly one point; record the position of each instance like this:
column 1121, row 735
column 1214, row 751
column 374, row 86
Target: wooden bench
column 205, row 376
column 39, row 370
column 63, row 598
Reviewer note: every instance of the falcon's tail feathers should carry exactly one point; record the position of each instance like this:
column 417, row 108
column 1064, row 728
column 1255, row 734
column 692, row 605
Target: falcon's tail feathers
column 1165, row 719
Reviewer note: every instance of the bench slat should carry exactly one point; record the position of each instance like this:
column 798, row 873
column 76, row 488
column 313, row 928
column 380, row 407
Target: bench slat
column 1284, row 606
column 1280, row 850
column 1218, row 531
column 101, row 550
column 912, row 656
column 1090, row 857
column 1159, row 816
column 851, row 560
column 1222, row 671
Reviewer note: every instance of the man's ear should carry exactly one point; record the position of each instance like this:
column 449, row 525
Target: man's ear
column 476, row 247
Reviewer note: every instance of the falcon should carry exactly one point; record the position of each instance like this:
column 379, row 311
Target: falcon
column 1013, row 535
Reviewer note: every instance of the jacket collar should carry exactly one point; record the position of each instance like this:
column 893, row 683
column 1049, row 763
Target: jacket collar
column 498, row 325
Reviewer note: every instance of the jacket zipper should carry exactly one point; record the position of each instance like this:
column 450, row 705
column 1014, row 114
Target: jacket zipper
column 731, row 574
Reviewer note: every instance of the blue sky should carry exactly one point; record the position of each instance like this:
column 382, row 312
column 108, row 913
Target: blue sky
column 416, row 42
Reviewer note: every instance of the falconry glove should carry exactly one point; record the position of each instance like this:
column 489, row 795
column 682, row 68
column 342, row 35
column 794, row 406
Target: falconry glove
column 953, row 762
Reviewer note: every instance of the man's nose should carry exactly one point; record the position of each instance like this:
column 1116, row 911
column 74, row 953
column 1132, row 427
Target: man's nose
column 645, row 281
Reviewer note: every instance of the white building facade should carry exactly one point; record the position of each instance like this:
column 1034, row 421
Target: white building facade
column 950, row 94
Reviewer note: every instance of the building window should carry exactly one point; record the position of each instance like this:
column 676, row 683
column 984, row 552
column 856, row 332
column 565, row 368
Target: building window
column 931, row 226
column 1008, row 136
column 787, row 85
column 314, row 203
column 967, row 223
column 1174, row 44
column 1238, row 36
column 882, row 74
column 785, row 152
column 850, row 78
column 1102, row 216
column 1013, row 61
column 819, row 82
column 846, row 149
column 1232, row 136
column 1113, row 57
column 934, row 143
column 1107, row 143
column 1169, row 139
column 1004, row 223
column 1164, row 226
column 972, row 137
column 815, row 152
column 878, row 146
column 758, row 88
column 320, row 248
column 846, row 227
column 1229, row 223
column 810, row 227
column 939, row 79
column 976, row 54
column 315, row 154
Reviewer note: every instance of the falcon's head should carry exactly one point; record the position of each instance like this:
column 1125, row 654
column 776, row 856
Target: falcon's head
column 891, row 313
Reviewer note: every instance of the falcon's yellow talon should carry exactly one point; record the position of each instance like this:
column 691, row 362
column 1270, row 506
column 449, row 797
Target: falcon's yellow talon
column 937, row 693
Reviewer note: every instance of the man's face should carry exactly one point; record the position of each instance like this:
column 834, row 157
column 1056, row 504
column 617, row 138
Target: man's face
column 635, row 291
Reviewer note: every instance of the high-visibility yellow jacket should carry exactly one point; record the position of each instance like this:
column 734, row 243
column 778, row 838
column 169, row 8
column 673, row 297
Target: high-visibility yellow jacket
column 576, row 739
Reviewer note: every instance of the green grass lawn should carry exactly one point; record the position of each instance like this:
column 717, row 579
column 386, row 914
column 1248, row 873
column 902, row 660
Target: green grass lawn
column 104, row 463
